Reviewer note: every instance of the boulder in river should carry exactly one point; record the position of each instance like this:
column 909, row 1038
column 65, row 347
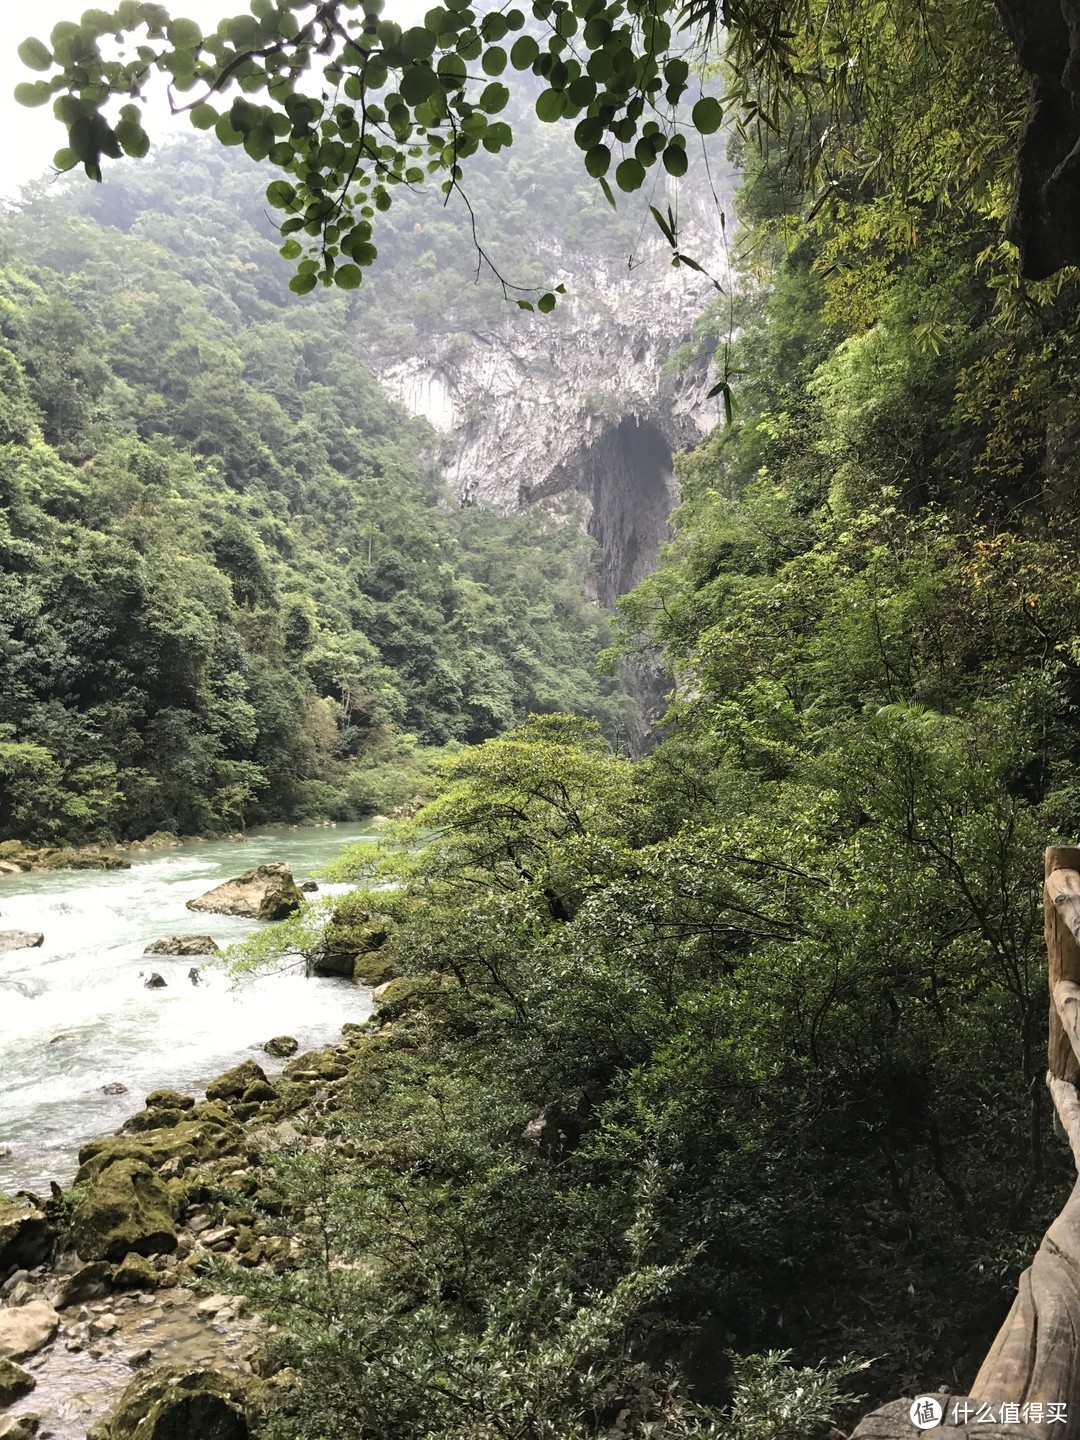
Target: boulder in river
column 25, row 1329
column 126, row 1208
column 281, row 1047
column 183, row 945
column 114, row 1088
column 168, row 1403
column 266, row 892
column 20, row 940
column 20, row 1427
column 154, row 981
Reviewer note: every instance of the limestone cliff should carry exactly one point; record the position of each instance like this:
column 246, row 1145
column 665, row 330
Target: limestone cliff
column 574, row 409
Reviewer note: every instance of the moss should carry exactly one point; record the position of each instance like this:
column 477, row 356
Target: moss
column 172, row 1404
column 128, row 1208
column 234, row 1082
column 15, row 1382
column 397, row 996
column 135, row 1273
column 26, row 1235
column 374, row 968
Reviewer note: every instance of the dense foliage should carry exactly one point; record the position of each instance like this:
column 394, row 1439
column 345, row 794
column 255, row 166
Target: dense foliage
column 232, row 589
column 739, row 1048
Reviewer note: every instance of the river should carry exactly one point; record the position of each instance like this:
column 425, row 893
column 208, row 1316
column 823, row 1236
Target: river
column 75, row 1015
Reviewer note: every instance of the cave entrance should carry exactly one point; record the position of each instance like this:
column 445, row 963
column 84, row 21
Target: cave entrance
column 628, row 477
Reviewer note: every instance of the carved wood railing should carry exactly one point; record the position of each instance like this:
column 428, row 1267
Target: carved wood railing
column 1029, row 1383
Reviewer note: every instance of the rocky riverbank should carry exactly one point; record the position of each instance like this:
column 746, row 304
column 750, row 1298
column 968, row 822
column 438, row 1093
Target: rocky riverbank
column 106, row 1323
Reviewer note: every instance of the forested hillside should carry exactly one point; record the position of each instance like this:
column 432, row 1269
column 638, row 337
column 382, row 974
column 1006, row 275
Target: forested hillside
column 232, row 589
column 704, row 1096
column 739, row 1049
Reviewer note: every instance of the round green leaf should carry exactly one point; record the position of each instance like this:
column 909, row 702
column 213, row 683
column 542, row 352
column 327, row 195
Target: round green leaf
column 348, row 277
column 184, row 34
column 33, row 94
column 582, row 90
column 418, row 84
column 707, row 116
column 550, row 105
column 494, row 61
column 523, row 52
column 418, row 44
column 494, row 98
column 65, row 159
column 291, row 250
column 546, row 303
column 675, row 162
column 204, row 117
column 303, row 284
column 34, row 54
column 133, row 138
column 280, row 194
column 588, row 132
column 597, row 161
column 630, row 175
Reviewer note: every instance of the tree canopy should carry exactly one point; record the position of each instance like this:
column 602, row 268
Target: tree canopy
column 350, row 105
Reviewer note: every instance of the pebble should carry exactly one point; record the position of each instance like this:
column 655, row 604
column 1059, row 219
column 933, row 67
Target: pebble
column 104, row 1325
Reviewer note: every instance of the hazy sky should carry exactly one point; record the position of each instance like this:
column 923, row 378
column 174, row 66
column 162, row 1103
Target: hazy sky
column 34, row 136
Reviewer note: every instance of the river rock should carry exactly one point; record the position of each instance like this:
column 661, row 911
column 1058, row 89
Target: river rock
column 114, row 1088
column 233, row 1084
column 20, row 940
column 127, row 1208
column 173, row 1404
column 204, row 1133
column 154, row 981
column 265, row 893
column 281, row 1047
column 135, row 1273
column 15, row 1382
column 92, row 1282
column 20, row 1427
column 25, row 1329
column 169, row 1100
column 26, row 1236
column 159, row 840
column 183, row 945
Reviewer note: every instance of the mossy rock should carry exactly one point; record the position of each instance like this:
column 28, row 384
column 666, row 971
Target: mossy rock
column 22, row 1427
column 15, row 1382
column 189, row 1140
column 317, row 1064
column 234, row 1082
column 169, row 1100
column 281, row 1047
column 127, row 1208
column 397, row 996
column 173, row 1404
column 135, row 1273
column 92, row 1282
column 26, row 1235
column 261, row 1093
column 152, row 1119
column 373, row 968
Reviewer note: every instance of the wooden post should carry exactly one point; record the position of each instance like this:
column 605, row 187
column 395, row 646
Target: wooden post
column 1061, row 903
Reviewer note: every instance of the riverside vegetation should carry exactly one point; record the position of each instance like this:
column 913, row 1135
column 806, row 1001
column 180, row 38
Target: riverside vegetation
column 709, row 1089
column 231, row 589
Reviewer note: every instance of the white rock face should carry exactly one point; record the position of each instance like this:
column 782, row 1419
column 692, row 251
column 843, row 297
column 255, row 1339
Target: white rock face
column 575, row 404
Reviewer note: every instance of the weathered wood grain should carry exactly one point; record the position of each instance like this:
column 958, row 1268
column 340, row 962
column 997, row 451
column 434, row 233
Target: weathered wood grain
column 1061, row 911
column 1035, row 1356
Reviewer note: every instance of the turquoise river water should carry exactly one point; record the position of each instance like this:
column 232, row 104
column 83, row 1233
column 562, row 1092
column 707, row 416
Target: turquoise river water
column 75, row 1015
